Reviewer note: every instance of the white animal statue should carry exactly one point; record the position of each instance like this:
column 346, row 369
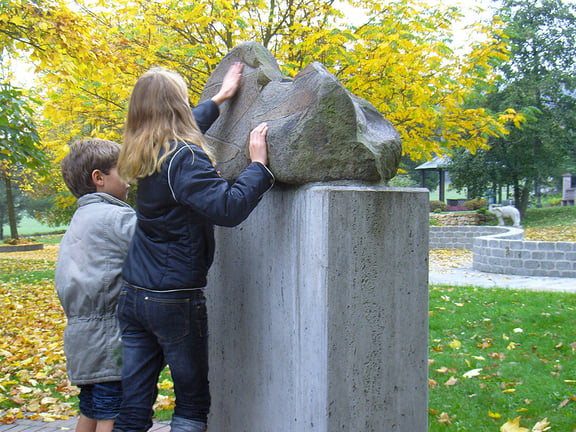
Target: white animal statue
column 505, row 211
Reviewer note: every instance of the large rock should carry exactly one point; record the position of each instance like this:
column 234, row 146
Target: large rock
column 319, row 131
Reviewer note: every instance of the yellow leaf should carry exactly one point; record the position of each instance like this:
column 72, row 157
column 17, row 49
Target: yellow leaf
column 455, row 344
column 444, row 418
column 513, row 426
column 542, row 426
column 472, row 373
column 451, row 381
column 166, row 385
column 494, row 415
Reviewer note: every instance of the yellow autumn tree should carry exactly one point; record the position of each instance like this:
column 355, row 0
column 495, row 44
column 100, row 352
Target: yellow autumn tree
column 399, row 58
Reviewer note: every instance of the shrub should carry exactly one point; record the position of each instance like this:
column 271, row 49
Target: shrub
column 438, row 206
column 476, row 204
column 554, row 202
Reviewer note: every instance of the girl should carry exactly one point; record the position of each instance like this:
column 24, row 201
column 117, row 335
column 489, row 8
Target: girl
column 180, row 197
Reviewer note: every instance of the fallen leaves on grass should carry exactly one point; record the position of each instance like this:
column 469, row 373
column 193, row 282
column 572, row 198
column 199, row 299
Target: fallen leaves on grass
column 542, row 426
column 514, row 426
column 444, row 419
column 552, row 233
column 472, row 373
column 33, row 381
column 443, row 259
column 44, row 259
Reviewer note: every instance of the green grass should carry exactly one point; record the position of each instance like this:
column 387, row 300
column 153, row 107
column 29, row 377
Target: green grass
column 29, row 227
column 541, row 217
column 529, row 373
column 49, row 239
column 523, row 345
column 549, row 216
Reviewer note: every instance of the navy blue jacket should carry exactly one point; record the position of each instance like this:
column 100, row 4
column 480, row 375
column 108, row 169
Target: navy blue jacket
column 177, row 208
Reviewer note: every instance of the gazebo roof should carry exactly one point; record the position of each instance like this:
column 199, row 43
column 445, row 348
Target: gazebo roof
column 436, row 163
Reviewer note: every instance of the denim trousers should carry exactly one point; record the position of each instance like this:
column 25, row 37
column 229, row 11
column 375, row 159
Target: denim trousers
column 160, row 328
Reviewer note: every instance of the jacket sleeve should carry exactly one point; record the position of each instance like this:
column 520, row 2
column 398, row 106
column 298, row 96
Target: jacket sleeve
column 123, row 228
column 197, row 185
column 205, row 114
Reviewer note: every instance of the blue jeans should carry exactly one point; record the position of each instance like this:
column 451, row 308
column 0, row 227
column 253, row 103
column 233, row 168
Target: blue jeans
column 100, row 401
column 157, row 329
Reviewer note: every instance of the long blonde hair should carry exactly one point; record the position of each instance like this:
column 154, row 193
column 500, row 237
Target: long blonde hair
column 158, row 113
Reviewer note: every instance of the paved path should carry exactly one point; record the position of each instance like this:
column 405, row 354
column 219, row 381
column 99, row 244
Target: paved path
column 465, row 275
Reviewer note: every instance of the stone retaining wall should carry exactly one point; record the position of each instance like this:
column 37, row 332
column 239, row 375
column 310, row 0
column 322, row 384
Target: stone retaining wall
column 459, row 219
column 506, row 255
column 461, row 237
column 503, row 250
column 22, row 248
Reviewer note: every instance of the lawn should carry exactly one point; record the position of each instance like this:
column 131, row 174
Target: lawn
column 496, row 356
column 29, row 226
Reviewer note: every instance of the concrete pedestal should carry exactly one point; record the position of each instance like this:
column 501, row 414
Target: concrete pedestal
column 318, row 313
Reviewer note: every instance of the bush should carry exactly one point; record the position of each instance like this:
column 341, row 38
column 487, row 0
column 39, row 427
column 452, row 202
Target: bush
column 438, row 206
column 402, row 180
column 553, row 202
column 476, row 204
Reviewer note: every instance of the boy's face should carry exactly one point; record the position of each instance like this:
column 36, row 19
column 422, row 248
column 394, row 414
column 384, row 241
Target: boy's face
column 113, row 185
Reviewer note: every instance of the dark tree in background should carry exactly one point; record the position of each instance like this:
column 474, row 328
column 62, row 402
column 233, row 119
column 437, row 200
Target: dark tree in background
column 539, row 81
column 19, row 146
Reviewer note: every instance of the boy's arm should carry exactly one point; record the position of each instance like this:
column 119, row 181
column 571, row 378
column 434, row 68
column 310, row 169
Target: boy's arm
column 123, row 228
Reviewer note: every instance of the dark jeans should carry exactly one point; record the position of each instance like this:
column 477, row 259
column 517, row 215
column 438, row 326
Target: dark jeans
column 157, row 329
column 100, row 401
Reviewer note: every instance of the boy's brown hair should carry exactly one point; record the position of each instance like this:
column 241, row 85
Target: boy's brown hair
column 84, row 157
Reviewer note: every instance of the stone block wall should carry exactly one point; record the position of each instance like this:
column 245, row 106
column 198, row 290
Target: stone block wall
column 461, row 237
column 525, row 258
column 458, row 219
column 503, row 250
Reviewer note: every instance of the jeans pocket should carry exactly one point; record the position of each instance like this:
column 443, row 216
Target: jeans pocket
column 201, row 317
column 169, row 319
column 121, row 309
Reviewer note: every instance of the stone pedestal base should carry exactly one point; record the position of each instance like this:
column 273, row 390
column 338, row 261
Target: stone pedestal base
column 318, row 313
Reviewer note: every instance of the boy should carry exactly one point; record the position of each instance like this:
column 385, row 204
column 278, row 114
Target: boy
column 88, row 271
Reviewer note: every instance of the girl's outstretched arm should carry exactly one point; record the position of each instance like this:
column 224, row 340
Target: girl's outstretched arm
column 257, row 146
column 230, row 83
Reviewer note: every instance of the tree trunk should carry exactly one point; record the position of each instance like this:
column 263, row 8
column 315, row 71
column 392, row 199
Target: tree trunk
column 524, row 199
column 10, row 208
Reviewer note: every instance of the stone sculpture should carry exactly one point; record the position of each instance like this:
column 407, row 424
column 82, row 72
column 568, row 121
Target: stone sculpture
column 319, row 131
column 505, row 211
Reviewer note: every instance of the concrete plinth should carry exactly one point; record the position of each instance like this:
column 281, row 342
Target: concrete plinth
column 318, row 313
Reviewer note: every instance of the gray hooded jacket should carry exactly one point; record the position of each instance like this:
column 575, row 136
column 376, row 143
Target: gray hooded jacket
column 88, row 282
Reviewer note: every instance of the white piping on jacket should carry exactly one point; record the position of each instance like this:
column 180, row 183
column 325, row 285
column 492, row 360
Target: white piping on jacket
column 170, row 166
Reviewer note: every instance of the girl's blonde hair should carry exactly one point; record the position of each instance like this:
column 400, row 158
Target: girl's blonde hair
column 158, row 113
